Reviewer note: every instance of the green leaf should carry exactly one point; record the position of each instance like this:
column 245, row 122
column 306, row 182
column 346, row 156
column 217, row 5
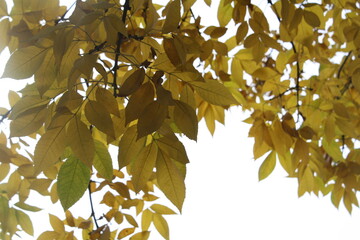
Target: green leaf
column 103, row 161
column 143, row 166
column 24, row 62
column 73, row 180
column 24, row 222
column 27, row 207
column 267, row 166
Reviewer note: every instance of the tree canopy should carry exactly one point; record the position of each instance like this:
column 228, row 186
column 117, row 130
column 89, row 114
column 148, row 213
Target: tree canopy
column 134, row 76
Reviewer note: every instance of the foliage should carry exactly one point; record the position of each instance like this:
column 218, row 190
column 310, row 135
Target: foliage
column 135, row 75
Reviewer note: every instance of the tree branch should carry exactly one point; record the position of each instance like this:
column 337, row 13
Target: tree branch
column 120, row 38
column 343, row 64
column 92, row 206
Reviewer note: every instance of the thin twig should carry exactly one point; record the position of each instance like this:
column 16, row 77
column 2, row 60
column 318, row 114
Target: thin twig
column 92, row 207
column 343, row 64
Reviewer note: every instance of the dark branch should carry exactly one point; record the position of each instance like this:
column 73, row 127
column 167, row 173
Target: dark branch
column 4, row 116
column 343, row 64
column 92, row 207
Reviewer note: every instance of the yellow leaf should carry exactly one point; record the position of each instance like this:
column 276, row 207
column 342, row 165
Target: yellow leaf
column 56, row 223
column 132, row 83
column 187, row 96
column 151, row 118
column 98, row 115
column 333, row 149
column 13, row 184
column 161, row 209
column 48, row 235
column 213, row 92
column 46, row 75
column 311, row 18
column 26, row 104
column 172, row 17
column 141, row 236
column 4, row 28
column 29, row 123
column 4, row 170
column 265, row 73
column 143, row 166
column 129, row 147
column 173, row 148
column 103, row 161
column 267, row 166
column 24, row 222
column 174, row 51
column 107, row 99
column 146, row 219
column 186, row 120
column 224, row 13
column 49, row 148
column 125, row 232
column 24, row 62
column 161, row 225
column 215, row 32
column 170, row 180
column 131, row 220
column 63, row 40
column 241, row 32
column 81, row 141
column 208, row 2
column 306, row 182
column 138, row 101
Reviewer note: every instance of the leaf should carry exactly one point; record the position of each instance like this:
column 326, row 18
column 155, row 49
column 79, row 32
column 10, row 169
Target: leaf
column 131, row 220
column 151, row 118
column 173, row 148
column 161, row 209
column 126, row 232
column 46, row 75
column 56, row 223
column 138, row 101
column 265, row 73
column 311, row 18
column 24, row 222
column 146, row 219
column 132, row 83
column 73, row 180
column 172, row 17
column 161, row 225
column 170, row 180
column 28, row 123
column 81, row 141
column 141, row 236
column 27, row 207
column 241, row 32
column 267, row 166
column 143, row 166
column 213, row 92
column 49, row 149
column 107, row 99
column 98, row 115
column 129, row 147
column 224, row 13
column 186, row 120
column 24, row 62
column 103, row 161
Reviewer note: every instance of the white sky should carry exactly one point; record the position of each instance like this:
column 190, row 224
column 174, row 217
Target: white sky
column 224, row 199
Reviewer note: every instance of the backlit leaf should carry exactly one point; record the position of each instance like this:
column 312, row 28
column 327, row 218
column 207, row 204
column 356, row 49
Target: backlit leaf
column 161, row 209
column 186, row 120
column 141, row 236
column 81, row 141
column 98, row 115
column 151, row 118
column 146, row 219
column 213, row 92
column 129, row 147
column 161, row 225
column 73, row 180
column 143, row 166
column 103, row 161
column 267, row 166
column 172, row 17
column 170, row 180
column 24, row 222
column 132, row 83
column 24, row 62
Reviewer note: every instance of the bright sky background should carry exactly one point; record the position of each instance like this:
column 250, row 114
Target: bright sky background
column 225, row 200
